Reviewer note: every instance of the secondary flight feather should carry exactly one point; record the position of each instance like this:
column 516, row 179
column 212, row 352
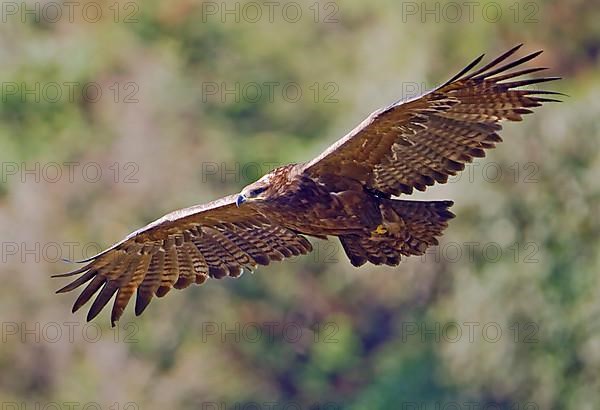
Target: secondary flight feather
column 347, row 192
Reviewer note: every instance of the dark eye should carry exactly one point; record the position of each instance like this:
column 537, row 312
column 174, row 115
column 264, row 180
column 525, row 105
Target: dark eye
column 257, row 191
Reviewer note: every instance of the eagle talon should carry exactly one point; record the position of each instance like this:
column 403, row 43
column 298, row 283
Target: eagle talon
column 380, row 230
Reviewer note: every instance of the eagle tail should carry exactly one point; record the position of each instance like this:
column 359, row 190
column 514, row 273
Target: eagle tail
column 408, row 228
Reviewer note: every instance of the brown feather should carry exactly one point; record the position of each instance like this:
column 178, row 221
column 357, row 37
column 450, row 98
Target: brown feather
column 346, row 191
column 413, row 144
column 179, row 249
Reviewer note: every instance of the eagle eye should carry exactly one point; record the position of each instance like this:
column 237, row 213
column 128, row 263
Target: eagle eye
column 257, row 191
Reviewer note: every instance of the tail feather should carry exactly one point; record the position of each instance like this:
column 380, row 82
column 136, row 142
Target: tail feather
column 408, row 228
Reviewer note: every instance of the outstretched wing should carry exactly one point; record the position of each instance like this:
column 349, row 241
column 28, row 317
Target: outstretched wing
column 412, row 144
column 184, row 247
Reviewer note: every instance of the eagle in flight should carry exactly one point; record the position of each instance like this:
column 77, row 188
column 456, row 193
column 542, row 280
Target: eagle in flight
column 348, row 191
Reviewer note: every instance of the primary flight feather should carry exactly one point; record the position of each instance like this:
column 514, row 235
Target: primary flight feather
column 345, row 192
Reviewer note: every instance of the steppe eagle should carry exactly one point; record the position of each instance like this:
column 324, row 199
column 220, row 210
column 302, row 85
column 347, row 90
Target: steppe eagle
column 347, row 191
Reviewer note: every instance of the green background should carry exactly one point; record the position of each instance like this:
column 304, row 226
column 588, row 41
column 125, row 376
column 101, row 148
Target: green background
column 504, row 313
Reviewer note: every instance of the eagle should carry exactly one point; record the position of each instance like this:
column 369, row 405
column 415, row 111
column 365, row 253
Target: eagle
column 349, row 191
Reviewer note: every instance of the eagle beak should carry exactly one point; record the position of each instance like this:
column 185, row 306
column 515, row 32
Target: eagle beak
column 241, row 198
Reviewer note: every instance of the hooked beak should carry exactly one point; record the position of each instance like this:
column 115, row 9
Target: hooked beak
column 241, row 198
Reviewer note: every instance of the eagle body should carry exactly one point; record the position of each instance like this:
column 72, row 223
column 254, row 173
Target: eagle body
column 370, row 227
column 350, row 191
column 319, row 207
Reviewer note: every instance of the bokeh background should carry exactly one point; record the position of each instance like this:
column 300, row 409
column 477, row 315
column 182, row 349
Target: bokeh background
column 113, row 114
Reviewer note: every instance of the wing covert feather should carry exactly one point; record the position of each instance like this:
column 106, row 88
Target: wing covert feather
column 184, row 247
column 414, row 143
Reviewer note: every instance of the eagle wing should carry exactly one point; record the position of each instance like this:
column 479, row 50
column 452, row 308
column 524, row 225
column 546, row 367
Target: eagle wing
column 187, row 246
column 415, row 143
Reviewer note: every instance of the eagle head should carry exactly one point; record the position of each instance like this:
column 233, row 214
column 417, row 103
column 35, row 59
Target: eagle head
column 254, row 191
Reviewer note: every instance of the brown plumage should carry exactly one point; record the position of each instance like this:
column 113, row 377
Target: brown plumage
column 346, row 192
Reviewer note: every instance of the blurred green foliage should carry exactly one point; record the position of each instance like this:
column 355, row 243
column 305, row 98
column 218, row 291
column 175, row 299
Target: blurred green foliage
column 162, row 140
